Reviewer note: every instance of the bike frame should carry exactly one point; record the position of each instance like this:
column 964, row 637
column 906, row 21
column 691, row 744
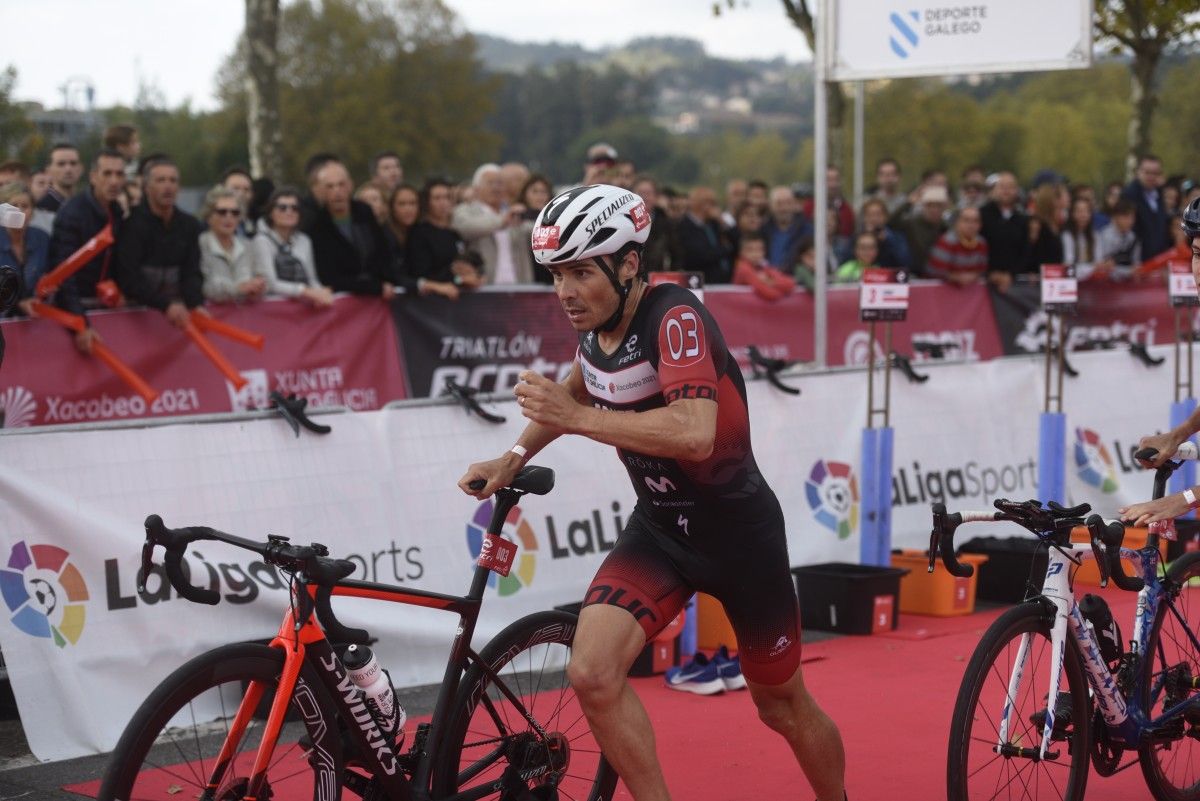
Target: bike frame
column 305, row 641
column 1125, row 718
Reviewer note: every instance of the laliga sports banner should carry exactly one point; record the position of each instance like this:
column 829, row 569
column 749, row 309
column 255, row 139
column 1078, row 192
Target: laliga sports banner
column 380, row 491
column 484, row 340
column 874, row 39
column 340, row 356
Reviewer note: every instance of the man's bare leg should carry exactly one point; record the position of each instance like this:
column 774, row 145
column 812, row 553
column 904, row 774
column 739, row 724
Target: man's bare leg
column 788, row 709
column 606, row 644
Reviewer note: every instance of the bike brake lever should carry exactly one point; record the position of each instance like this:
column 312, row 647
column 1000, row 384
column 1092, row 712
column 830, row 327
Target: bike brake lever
column 147, row 564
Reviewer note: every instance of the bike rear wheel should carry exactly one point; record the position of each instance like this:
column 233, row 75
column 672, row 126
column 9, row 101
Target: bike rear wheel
column 169, row 749
column 976, row 767
column 1171, row 756
column 492, row 751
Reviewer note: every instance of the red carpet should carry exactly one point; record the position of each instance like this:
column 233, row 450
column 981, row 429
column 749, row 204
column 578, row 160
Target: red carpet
column 891, row 695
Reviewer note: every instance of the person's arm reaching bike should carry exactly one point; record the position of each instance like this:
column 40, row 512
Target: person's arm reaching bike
column 501, row 471
column 1166, row 444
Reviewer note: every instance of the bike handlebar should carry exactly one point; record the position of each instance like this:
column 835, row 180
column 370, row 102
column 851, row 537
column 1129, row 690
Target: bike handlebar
column 1112, row 535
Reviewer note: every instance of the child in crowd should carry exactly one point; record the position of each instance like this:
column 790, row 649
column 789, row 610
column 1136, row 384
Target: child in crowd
column 1118, row 250
column 866, row 254
column 752, row 269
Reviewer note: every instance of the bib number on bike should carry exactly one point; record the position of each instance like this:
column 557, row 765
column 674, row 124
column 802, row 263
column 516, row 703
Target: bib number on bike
column 497, row 554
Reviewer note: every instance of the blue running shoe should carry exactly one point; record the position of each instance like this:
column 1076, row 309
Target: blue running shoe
column 729, row 669
column 698, row 676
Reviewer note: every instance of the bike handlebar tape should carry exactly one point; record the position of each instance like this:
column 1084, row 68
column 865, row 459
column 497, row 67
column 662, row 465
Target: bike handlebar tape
column 334, row 629
column 946, row 546
column 1114, row 536
column 173, row 561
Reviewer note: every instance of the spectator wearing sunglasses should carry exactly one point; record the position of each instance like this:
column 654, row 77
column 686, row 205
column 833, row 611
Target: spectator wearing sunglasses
column 284, row 253
column 158, row 254
column 231, row 273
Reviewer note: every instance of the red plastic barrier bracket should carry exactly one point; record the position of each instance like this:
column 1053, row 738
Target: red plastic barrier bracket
column 49, row 283
column 220, row 362
column 228, row 330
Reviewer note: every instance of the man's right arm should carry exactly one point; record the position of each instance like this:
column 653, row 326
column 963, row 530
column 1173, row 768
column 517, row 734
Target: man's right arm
column 131, row 253
column 1166, row 444
column 473, row 220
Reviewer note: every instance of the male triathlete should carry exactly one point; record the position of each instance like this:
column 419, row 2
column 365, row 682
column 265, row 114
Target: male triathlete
column 1176, row 504
column 705, row 517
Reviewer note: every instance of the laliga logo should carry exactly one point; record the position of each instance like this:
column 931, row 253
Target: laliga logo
column 44, row 593
column 832, row 492
column 516, row 529
column 1093, row 462
column 908, row 32
column 18, row 408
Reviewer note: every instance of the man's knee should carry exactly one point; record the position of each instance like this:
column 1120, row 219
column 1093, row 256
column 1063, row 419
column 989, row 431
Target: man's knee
column 780, row 715
column 595, row 679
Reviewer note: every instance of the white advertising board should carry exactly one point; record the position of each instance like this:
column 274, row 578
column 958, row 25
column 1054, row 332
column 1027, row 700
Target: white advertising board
column 874, row 39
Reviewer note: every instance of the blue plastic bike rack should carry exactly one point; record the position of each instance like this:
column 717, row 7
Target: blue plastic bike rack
column 876, row 525
column 1052, row 457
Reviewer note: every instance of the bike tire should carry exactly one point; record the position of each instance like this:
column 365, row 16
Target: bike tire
column 1171, row 758
column 974, row 770
column 530, row 658
column 169, row 746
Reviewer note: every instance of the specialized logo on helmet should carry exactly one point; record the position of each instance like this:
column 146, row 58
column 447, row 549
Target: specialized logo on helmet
column 613, row 208
column 545, row 237
column 1093, row 462
column 832, row 493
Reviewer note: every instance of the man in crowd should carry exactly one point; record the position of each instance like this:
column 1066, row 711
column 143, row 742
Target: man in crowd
column 65, row 170
column 971, row 188
column 1006, row 231
column 515, row 174
column 124, row 139
column 158, row 254
column 491, row 228
column 702, row 240
column 14, row 171
column 662, row 250
column 623, row 173
column 735, row 196
column 386, row 170
column 1145, row 193
column 349, row 248
column 838, row 207
column 601, row 157
column 960, row 255
column 922, row 230
column 759, row 194
column 238, row 181
column 785, row 228
column 311, row 202
column 887, row 185
column 81, row 218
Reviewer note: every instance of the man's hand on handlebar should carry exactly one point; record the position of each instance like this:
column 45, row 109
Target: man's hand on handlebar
column 1166, row 508
column 1166, row 445
column 496, row 472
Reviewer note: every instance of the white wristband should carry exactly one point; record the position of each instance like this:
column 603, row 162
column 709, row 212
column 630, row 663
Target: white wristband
column 1190, row 497
column 519, row 450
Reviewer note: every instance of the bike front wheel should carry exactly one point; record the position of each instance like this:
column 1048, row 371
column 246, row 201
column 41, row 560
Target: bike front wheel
column 983, row 763
column 1170, row 756
column 524, row 735
column 170, row 749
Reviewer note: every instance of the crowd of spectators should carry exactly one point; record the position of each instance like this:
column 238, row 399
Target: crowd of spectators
column 253, row 239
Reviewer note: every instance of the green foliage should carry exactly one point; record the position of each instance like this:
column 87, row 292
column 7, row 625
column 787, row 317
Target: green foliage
column 17, row 136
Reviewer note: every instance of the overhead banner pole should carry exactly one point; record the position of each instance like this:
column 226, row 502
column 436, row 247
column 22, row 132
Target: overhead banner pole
column 820, row 194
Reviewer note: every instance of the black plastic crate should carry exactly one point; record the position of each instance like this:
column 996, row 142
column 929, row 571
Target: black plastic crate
column 1014, row 563
column 848, row 598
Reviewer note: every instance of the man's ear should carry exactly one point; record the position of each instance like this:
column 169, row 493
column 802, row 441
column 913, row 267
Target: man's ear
column 631, row 265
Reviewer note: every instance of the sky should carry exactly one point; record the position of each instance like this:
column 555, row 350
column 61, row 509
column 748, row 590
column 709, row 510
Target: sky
column 118, row 45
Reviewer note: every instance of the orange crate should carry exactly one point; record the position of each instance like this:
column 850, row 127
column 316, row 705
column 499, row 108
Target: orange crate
column 713, row 628
column 938, row 593
column 1135, row 538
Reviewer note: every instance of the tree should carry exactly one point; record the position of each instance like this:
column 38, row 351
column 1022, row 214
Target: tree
column 1146, row 29
column 262, row 87
column 17, row 135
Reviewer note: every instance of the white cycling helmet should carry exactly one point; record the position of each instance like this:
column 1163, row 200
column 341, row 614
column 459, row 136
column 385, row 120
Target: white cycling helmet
column 590, row 222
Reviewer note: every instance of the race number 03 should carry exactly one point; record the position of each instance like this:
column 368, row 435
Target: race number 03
column 683, row 340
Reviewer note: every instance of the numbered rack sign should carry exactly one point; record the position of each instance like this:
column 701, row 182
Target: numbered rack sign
column 883, row 295
column 1182, row 284
column 1060, row 289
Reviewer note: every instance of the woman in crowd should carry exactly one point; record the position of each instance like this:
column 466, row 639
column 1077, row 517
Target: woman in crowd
column 404, row 208
column 534, row 194
column 375, row 196
column 747, row 219
column 866, row 254
column 1079, row 237
column 437, row 262
column 893, row 249
column 24, row 248
column 1045, row 229
column 284, row 253
column 229, row 268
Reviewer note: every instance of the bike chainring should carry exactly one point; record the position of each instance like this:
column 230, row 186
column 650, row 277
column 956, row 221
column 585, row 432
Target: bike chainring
column 1106, row 756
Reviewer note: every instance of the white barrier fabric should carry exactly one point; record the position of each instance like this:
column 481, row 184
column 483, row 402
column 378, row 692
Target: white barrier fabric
column 83, row 648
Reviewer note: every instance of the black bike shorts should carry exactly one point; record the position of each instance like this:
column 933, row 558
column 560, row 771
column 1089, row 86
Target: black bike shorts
column 741, row 561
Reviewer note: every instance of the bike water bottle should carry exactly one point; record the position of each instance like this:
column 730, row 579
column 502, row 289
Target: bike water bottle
column 364, row 670
column 1108, row 635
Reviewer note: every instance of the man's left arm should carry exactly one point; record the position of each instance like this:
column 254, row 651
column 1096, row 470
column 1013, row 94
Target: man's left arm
column 191, row 280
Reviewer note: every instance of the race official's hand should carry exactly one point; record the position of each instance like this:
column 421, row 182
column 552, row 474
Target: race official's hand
column 547, row 402
column 1168, row 508
column 496, row 472
column 1166, row 445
